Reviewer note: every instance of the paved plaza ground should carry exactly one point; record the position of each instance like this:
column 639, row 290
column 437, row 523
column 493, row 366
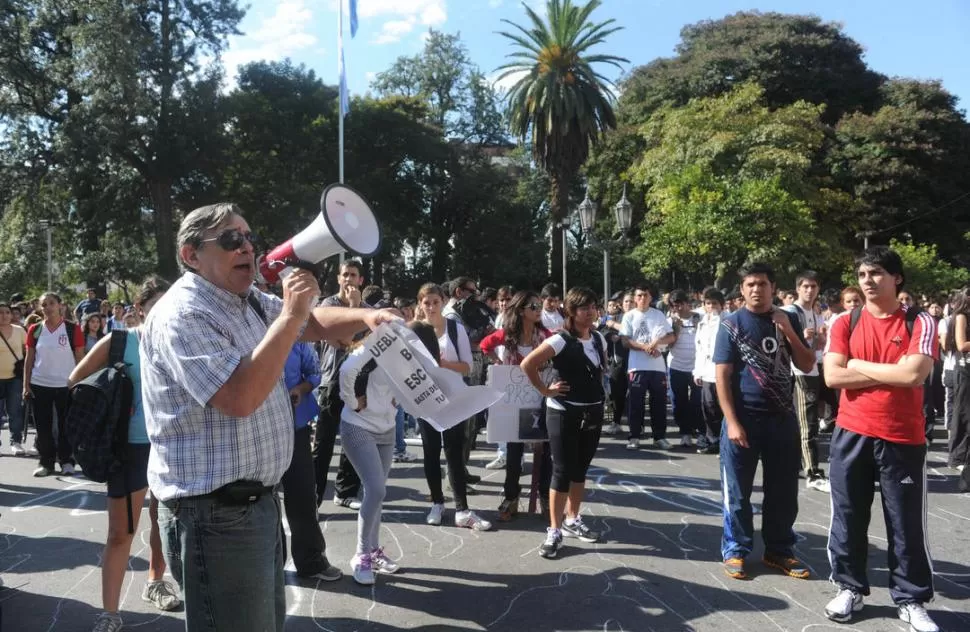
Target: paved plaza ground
column 656, row 568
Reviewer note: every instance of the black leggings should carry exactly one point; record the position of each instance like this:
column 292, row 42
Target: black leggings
column 571, row 445
column 46, row 401
column 454, row 440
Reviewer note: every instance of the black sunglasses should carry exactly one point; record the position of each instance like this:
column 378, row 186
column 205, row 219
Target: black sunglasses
column 471, row 290
column 534, row 306
column 232, row 239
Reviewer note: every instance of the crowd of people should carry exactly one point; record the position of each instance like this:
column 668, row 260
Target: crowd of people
column 241, row 394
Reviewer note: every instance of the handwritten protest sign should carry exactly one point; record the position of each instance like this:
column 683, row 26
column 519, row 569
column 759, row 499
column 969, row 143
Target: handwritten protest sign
column 515, row 417
column 422, row 388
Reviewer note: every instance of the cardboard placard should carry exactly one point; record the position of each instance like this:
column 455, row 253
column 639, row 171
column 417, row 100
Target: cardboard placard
column 422, row 388
column 515, row 417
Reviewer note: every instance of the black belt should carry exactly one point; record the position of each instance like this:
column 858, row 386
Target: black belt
column 239, row 492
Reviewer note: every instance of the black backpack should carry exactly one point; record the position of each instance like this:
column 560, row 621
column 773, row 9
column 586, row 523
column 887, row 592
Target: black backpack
column 477, row 317
column 97, row 419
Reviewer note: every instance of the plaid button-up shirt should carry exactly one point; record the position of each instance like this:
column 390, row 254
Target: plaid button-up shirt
column 193, row 340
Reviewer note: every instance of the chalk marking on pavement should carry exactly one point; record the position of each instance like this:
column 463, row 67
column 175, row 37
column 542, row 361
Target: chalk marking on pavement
column 313, row 608
column 955, row 515
column 396, row 541
column 742, row 599
column 710, row 610
column 55, row 616
column 34, row 503
column 563, row 580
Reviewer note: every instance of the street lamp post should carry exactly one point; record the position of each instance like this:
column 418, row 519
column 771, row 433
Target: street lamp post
column 46, row 224
column 623, row 212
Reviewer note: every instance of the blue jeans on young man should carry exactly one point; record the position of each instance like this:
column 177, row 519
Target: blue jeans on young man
column 773, row 439
column 12, row 393
column 228, row 560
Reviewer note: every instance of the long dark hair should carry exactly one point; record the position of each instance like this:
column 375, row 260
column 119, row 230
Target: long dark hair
column 575, row 298
column 86, row 319
column 512, row 321
column 960, row 305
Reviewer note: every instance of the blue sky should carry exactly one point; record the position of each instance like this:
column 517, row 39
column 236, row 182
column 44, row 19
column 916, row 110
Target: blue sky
column 926, row 39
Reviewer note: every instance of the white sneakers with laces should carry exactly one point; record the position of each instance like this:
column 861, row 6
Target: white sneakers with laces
column 434, row 516
column 918, row 619
column 471, row 520
column 381, row 563
column 497, row 464
column 633, row 444
column 840, row 609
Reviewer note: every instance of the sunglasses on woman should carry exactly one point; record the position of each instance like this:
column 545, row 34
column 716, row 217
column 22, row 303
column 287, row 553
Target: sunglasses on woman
column 534, row 306
column 232, row 239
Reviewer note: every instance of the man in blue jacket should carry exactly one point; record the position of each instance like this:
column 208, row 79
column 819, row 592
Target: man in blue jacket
column 301, row 374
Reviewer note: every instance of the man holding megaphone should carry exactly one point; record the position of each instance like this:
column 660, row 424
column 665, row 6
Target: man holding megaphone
column 217, row 412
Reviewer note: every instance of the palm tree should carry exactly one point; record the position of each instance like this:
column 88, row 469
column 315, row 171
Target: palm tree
column 560, row 98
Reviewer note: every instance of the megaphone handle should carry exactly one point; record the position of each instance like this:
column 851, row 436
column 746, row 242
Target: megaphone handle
column 287, row 271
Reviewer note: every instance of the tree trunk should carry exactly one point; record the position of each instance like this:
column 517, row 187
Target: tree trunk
column 161, row 191
column 559, row 197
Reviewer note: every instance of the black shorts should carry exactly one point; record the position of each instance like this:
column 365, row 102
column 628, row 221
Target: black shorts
column 134, row 475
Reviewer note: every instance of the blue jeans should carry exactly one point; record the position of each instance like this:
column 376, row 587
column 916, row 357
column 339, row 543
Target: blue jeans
column 401, row 420
column 12, row 393
column 228, row 560
column 774, row 440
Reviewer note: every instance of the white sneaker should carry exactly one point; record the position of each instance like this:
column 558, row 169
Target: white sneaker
column 67, row 469
column 363, row 570
column 840, row 609
column 434, row 516
column 960, row 468
column 107, row 622
column 497, row 464
column 471, row 520
column 686, row 441
column 612, row 429
column 663, row 444
column 819, row 483
column 43, row 471
column 404, row 457
column 17, row 450
column 918, row 619
column 381, row 563
column 633, row 444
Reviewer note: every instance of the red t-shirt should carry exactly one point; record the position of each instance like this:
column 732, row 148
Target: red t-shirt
column 893, row 413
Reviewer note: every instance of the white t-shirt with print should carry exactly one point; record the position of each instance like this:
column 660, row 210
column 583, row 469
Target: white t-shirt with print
column 558, row 343
column 809, row 320
column 682, row 352
column 53, row 358
column 645, row 327
column 553, row 321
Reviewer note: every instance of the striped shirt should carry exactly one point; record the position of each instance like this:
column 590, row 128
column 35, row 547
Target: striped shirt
column 193, row 340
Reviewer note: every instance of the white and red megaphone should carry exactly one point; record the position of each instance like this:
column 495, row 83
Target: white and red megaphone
column 345, row 224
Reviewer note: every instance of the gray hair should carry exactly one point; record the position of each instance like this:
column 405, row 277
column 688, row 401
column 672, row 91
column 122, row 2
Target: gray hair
column 199, row 222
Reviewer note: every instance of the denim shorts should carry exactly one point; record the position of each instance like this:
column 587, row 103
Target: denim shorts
column 134, row 475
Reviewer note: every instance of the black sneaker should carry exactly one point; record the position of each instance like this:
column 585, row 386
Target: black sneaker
column 578, row 529
column 712, row 448
column 550, row 548
column 472, row 478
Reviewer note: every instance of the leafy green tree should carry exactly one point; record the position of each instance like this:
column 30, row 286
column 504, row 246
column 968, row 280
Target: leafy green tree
column 560, row 102
column 729, row 180
column 905, row 165
column 793, row 57
column 926, row 273
column 465, row 110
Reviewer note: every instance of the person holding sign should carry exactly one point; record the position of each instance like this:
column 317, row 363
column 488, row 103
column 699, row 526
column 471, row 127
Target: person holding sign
column 574, row 418
column 367, row 425
column 521, row 332
column 455, row 355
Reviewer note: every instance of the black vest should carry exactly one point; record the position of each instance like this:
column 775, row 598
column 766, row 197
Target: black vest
column 574, row 367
